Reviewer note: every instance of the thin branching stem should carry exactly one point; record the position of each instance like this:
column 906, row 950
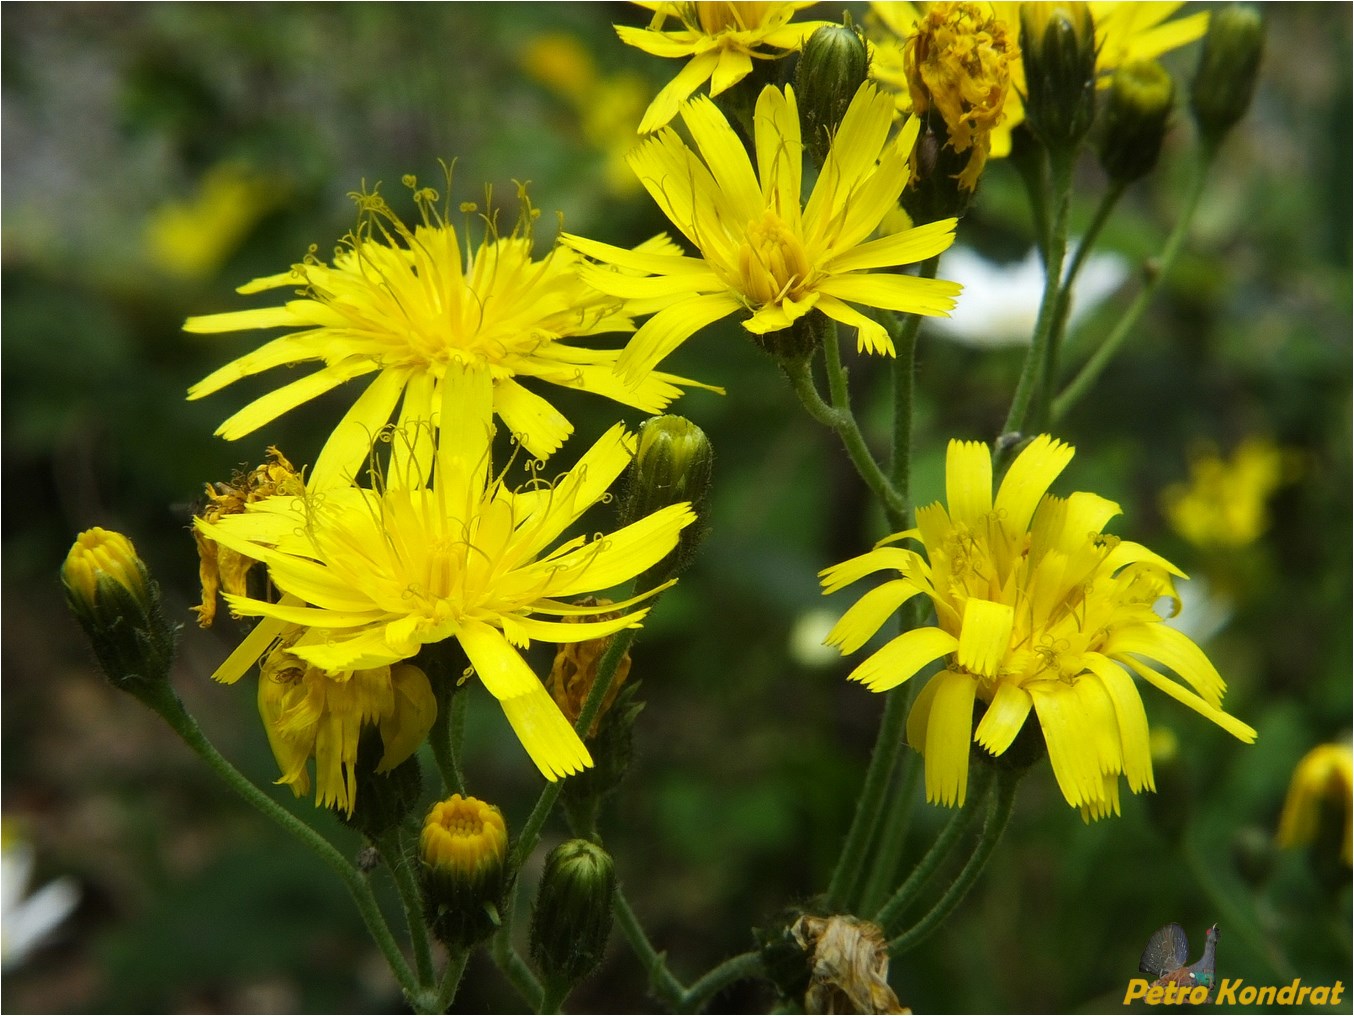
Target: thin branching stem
column 661, row 979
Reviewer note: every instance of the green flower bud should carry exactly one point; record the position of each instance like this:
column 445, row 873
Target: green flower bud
column 833, row 66
column 572, row 917
column 463, row 846
column 1058, row 43
column 1140, row 98
column 672, row 465
column 112, row 596
column 1228, row 67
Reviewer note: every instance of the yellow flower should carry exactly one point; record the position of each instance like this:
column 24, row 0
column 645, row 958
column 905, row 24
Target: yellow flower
column 309, row 713
column 1037, row 609
column 374, row 575
column 607, row 105
column 463, row 837
column 1224, row 505
column 407, row 303
column 1324, row 776
column 722, row 37
column 762, row 251
column 958, row 63
column 101, row 555
column 193, row 238
column 1124, row 32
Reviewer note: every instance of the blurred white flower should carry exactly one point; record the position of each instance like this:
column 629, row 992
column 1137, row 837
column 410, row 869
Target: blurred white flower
column 1203, row 611
column 806, row 638
column 1000, row 302
column 26, row 920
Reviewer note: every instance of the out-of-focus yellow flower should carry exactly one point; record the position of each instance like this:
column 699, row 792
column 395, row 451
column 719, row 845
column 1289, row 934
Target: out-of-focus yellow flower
column 1324, row 777
column 1225, row 502
column 193, row 237
column 1124, row 32
column 1038, row 611
column 722, row 37
column 607, row 105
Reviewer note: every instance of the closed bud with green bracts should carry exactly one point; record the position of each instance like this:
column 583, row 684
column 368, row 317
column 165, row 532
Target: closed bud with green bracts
column 462, row 848
column 672, row 465
column 1141, row 95
column 833, row 66
column 1057, row 41
column 1228, row 67
column 118, row 605
column 572, row 917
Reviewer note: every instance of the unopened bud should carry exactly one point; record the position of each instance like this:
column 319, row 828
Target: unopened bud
column 463, row 846
column 672, row 465
column 1141, row 95
column 118, row 605
column 572, row 916
column 1228, row 68
column 1057, row 41
column 833, row 66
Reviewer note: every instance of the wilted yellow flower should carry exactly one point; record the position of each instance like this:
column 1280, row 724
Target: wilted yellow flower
column 1324, row 777
column 193, row 238
column 958, row 63
column 722, row 37
column 405, row 304
column 309, row 713
column 1037, row 610
column 376, row 574
column 220, row 566
column 1124, row 32
column 1225, row 502
column 762, row 250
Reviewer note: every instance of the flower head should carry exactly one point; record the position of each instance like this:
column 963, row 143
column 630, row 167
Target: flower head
column 376, row 574
column 1124, row 32
column 957, row 64
column 406, row 304
column 762, row 250
column 1324, row 776
column 1225, row 503
column 722, row 37
column 1037, row 610
column 463, row 848
column 309, row 712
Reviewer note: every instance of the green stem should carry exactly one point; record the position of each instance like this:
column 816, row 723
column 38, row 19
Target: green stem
column 394, row 850
column 1030, row 404
column 887, row 745
column 606, row 674
column 1074, row 266
column 514, row 968
column 839, row 418
column 997, row 817
column 1080, row 385
column 738, row 968
column 445, row 736
column 660, row 977
column 552, row 999
column 165, row 702
column 904, row 383
column 892, row 837
column 887, row 915
column 451, row 980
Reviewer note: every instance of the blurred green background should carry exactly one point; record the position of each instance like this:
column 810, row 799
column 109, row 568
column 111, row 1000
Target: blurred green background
column 156, row 156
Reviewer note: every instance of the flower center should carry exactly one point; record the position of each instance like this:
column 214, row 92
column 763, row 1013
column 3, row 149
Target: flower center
column 720, row 16
column 772, row 262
